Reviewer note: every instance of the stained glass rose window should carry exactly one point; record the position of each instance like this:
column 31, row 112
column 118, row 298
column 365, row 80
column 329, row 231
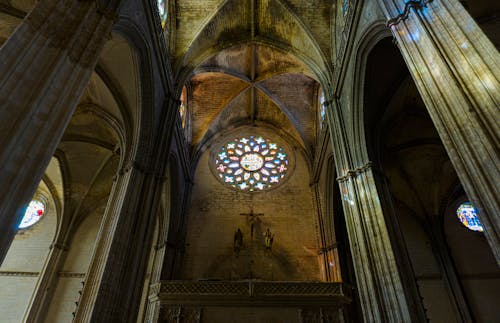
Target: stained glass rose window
column 251, row 163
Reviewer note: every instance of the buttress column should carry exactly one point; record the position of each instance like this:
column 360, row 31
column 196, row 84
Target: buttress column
column 45, row 66
column 456, row 70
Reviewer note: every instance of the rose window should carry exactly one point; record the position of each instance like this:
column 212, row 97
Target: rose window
column 251, row 163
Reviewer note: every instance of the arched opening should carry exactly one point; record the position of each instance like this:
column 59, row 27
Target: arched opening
column 414, row 182
column 256, row 109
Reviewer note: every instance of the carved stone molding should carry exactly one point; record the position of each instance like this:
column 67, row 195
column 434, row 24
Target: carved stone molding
column 253, row 293
column 68, row 274
column 154, row 289
column 20, row 273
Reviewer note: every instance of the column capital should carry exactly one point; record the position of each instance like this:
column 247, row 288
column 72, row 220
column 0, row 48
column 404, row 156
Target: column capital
column 355, row 172
column 141, row 168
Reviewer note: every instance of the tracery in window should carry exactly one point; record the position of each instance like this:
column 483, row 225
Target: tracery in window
column 33, row 214
column 251, row 163
column 467, row 214
column 162, row 9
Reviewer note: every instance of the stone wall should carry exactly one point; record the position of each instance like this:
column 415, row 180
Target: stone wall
column 215, row 216
column 24, row 262
column 70, row 278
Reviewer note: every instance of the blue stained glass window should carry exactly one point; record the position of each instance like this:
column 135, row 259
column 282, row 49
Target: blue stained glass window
column 467, row 214
column 345, row 7
column 246, row 163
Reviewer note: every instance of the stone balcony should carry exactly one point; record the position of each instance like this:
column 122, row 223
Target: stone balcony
column 250, row 301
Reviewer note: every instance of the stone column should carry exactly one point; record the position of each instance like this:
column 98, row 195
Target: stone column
column 456, row 70
column 380, row 288
column 153, row 298
column 114, row 281
column 45, row 66
column 326, row 240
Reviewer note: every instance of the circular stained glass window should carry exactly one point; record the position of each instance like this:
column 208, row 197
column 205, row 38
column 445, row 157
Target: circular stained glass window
column 251, row 163
column 33, row 214
column 467, row 214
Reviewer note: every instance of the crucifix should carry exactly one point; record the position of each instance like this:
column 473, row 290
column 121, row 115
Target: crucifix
column 252, row 219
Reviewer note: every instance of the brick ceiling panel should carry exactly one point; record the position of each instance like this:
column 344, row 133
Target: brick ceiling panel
column 269, row 113
column 211, row 92
column 235, row 114
column 191, row 16
column 231, row 24
column 316, row 15
column 279, row 25
column 271, row 61
column 297, row 94
column 236, row 59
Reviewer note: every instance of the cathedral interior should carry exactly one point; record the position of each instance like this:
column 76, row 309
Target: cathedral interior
column 249, row 161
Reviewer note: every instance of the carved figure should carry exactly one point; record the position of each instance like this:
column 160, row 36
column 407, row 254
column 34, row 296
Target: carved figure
column 268, row 239
column 238, row 241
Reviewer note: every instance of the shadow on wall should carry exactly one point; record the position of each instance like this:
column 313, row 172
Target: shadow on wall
column 254, row 261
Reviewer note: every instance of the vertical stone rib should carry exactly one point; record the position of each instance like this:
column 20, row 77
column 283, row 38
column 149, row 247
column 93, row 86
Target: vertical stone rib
column 379, row 285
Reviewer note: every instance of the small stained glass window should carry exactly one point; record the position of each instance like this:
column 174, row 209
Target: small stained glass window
column 322, row 108
column 33, row 214
column 251, row 163
column 162, row 9
column 345, row 7
column 467, row 214
column 182, row 107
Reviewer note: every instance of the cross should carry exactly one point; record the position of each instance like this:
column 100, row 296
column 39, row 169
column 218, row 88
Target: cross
column 252, row 218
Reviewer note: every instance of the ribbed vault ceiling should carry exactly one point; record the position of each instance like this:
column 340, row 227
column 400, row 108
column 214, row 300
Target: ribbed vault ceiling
column 252, row 84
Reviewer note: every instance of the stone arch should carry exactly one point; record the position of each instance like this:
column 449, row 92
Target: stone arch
column 319, row 70
column 413, row 174
column 143, row 115
column 363, row 152
column 373, row 34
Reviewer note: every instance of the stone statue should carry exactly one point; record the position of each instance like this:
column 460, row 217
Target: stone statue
column 238, row 241
column 268, row 239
